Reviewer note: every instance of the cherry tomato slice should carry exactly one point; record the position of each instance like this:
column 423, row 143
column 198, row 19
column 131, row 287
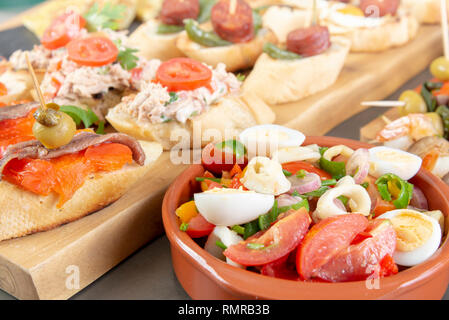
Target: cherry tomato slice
column 62, row 30
column 199, row 227
column 325, row 239
column 183, row 74
column 217, row 160
column 93, row 51
column 270, row 245
column 359, row 261
column 294, row 167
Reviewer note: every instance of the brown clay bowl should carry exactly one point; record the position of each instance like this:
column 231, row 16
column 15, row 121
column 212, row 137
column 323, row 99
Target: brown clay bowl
column 205, row 277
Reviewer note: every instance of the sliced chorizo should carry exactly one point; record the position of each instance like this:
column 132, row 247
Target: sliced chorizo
column 233, row 20
column 173, row 12
column 309, row 41
column 379, row 8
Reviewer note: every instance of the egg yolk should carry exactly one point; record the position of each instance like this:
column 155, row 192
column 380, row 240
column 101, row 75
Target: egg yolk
column 351, row 10
column 412, row 231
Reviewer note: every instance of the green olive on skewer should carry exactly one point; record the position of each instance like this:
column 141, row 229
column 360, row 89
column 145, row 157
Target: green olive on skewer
column 52, row 128
column 439, row 68
column 414, row 103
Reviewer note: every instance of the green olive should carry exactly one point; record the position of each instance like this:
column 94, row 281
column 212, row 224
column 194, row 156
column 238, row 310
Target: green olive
column 437, row 122
column 439, row 68
column 414, row 103
column 56, row 135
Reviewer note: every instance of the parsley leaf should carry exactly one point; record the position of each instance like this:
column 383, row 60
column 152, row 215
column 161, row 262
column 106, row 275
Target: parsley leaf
column 127, row 59
column 104, row 18
column 87, row 117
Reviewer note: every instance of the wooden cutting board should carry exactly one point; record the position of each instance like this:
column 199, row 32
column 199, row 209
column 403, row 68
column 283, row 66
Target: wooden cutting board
column 47, row 265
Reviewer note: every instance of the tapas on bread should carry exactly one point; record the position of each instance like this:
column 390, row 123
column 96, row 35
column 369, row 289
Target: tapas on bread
column 51, row 173
column 372, row 25
column 234, row 36
column 310, row 213
column 309, row 61
column 156, row 38
column 426, row 11
column 113, row 14
column 183, row 96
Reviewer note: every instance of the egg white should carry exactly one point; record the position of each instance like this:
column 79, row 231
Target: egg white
column 265, row 139
column 229, row 207
column 227, row 237
column 385, row 160
column 426, row 250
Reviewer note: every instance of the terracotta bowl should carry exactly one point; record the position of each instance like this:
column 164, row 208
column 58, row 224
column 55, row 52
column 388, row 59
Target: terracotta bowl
column 205, row 277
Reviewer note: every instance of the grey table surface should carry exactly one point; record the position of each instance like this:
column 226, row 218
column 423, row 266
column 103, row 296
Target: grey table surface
column 148, row 273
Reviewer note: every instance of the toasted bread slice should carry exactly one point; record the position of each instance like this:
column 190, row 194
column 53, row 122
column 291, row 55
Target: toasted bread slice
column 426, row 11
column 281, row 81
column 23, row 212
column 236, row 56
column 152, row 45
column 393, row 33
column 148, row 9
column 227, row 118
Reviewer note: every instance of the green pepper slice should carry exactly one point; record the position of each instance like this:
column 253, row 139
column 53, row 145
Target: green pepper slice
column 205, row 38
column 405, row 190
column 168, row 28
column 277, row 53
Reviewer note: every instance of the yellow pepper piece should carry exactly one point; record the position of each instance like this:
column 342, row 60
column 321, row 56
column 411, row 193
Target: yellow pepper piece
column 226, row 182
column 352, row 10
column 187, row 211
column 394, row 189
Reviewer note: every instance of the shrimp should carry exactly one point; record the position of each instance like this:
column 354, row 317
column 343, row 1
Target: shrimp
column 414, row 126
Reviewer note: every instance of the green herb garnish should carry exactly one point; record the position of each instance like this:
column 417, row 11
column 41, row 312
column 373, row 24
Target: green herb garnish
column 127, row 59
column 183, row 227
column 255, row 246
column 287, row 173
column 239, row 229
column 87, row 117
column 220, row 244
column 105, row 18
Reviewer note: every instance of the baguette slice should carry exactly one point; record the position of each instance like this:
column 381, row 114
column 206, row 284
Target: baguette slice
column 152, row 45
column 227, row 118
column 282, row 81
column 426, row 11
column 23, row 212
column 381, row 38
column 236, row 56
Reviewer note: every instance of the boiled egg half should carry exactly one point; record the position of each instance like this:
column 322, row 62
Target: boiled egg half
column 385, row 160
column 264, row 140
column 229, row 207
column 418, row 236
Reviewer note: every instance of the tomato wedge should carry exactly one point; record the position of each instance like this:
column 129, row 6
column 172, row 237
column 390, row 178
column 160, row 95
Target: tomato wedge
column 199, row 227
column 283, row 268
column 62, row 30
column 325, row 239
column 276, row 242
column 294, row 167
column 93, row 51
column 183, row 74
column 359, row 261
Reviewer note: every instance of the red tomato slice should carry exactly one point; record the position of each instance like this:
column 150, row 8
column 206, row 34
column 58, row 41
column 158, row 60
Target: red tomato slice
column 183, row 74
column 218, row 160
column 283, row 268
column 359, row 261
column 3, row 89
column 388, row 267
column 279, row 240
column 93, row 51
column 294, row 167
column 325, row 239
column 62, row 30
column 199, row 227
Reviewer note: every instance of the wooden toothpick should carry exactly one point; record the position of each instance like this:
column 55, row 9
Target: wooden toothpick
column 35, row 82
column 383, row 104
column 444, row 28
column 232, row 7
column 314, row 14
